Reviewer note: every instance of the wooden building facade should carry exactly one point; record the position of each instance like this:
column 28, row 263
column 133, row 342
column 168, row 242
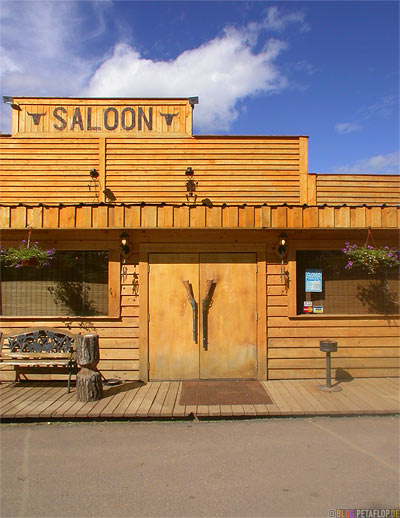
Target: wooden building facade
column 199, row 288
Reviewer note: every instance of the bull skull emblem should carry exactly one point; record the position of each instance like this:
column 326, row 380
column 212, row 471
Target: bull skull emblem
column 36, row 117
column 169, row 117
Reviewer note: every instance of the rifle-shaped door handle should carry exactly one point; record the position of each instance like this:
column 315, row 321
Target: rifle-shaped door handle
column 205, row 304
column 189, row 292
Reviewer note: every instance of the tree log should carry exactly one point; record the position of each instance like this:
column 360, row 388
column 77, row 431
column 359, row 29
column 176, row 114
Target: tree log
column 87, row 349
column 89, row 386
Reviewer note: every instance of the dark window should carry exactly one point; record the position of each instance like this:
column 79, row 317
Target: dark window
column 345, row 291
column 75, row 284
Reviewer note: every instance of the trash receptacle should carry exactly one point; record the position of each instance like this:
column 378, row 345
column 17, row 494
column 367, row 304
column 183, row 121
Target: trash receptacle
column 328, row 346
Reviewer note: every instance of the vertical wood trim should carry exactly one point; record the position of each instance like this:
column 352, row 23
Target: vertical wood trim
column 149, row 216
column 18, row 217
column 5, row 217
column 102, row 168
column 114, row 284
column 132, row 216
column 291, row 291
column 14, row 121
column 262, row 315
column 312, row 189
column 143, row 311
column 303, row 170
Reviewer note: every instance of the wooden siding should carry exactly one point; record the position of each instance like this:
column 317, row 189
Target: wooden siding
column 48, row 170
column 227, row 170
column 368, row 345
column 164, row 216
column 119, row 342
column 357, row 189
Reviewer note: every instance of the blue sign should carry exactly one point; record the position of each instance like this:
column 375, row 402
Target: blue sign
column 313, row 280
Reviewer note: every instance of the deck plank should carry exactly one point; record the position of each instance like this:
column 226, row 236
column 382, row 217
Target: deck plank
column 148, row 400
column 158, row 402
column 137, row 401
column 169, row 402
column 179, row 410
column 272, row 388
column 226, row 410
column 43, row 398
column 23, row 401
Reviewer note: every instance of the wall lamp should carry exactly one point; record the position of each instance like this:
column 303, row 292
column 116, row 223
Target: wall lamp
column 282, row 244
column 124, row 243
column 94, row 174
column 9, row 100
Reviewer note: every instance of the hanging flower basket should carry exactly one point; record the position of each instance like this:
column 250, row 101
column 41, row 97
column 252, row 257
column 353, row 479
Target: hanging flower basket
column 371, row 259
column 26, row 255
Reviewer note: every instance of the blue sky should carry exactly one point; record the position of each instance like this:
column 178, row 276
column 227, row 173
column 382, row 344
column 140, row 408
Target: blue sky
column 329, row 70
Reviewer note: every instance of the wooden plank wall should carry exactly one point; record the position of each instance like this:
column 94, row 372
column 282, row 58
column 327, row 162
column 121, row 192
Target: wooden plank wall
column 238, row 170
column 353, row 189
column 54, row 170
column 119, row 345
column 368, row 346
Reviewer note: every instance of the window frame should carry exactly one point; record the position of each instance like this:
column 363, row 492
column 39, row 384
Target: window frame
column 113, row 288
column 292, row 288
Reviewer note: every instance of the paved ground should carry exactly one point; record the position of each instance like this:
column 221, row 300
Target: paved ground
column 262, row 468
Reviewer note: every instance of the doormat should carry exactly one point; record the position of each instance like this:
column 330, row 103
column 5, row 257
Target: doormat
column 223, row 393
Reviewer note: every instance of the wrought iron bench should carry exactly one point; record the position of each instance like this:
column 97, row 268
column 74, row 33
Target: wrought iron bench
column 39, row 350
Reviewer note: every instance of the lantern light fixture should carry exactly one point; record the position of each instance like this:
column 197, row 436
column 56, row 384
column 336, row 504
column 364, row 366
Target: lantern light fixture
column 282, row 244
column 124, row 243
column 94, row 173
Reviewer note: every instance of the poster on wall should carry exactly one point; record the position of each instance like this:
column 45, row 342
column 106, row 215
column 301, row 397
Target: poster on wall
column 313, row 280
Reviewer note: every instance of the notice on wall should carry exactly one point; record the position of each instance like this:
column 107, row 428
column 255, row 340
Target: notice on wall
column 313, row 280
column 318, row 309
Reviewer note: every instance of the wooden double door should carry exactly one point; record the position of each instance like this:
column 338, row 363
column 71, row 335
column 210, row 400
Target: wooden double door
column 202, row 316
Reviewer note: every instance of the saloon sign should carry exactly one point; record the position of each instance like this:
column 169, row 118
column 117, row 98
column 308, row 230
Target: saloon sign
column 102, row 117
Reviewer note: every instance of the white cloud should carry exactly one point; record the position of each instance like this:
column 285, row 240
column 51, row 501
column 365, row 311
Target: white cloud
column 44, row 54
column 385, row 164
column 41, row 49
column 344, row 128
column 221, row 72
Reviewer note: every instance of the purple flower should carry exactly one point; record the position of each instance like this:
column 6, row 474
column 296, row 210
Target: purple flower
column 345, row 250
column 350, row 263
column 347, row 243
column 23, row 241
column 354, row 246
column 390, row 254
column 370, row 247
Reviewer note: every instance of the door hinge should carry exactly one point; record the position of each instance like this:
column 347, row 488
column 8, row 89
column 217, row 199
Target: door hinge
column 148, row 268
column 148, row 317
column 256, row 316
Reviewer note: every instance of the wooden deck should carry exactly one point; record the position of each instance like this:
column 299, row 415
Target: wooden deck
column 160, row 400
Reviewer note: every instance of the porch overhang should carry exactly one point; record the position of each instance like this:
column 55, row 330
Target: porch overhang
column 200, row 216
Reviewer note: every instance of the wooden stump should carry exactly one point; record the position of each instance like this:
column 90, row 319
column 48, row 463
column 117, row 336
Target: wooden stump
column 89, row 386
